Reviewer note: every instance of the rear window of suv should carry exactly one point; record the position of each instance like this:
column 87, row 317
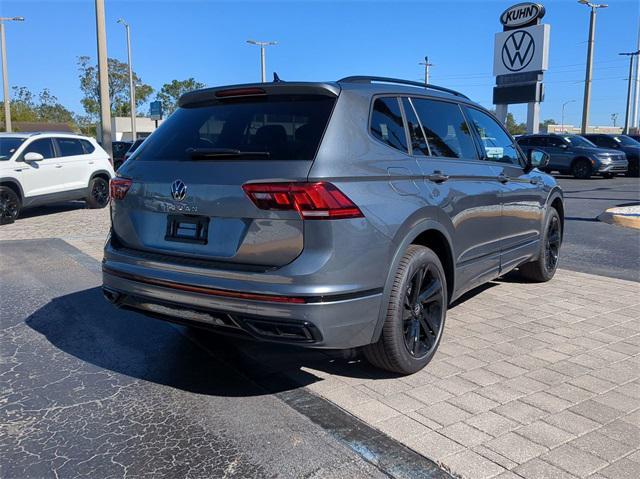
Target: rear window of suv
column 287, row 127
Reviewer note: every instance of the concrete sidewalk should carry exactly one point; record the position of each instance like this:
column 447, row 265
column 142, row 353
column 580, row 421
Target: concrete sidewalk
column 531, row 380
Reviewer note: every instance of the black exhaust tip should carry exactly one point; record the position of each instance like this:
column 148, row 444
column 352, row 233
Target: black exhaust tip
column 112, row 296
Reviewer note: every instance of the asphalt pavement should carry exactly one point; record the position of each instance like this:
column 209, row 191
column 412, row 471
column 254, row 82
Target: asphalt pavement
column 591, row 246
column 90, row 391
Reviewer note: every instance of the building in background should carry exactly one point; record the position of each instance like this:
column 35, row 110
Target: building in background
column 612, row 130
column 121, row 127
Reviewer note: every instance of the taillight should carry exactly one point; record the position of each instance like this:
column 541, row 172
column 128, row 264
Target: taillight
column 313, row 201
column 118, row 187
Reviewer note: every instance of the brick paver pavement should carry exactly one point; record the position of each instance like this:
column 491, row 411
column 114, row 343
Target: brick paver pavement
column 530, row 381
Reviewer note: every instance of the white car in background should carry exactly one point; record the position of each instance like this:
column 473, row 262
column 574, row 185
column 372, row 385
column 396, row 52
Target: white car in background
column 48, row 167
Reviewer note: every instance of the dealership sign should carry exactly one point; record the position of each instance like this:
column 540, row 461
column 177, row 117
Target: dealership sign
column 522, row 14
column 522, row 50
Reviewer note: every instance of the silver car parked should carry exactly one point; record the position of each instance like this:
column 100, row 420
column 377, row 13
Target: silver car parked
column 330, row 215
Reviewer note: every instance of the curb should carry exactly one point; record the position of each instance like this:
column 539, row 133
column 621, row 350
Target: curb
column 625, row 216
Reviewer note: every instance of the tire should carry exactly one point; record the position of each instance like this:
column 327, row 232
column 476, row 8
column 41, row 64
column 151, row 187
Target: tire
column 407, row 318
column 581, row 169
column 10, row 205
column 544, row 268
column 98, row 193
column 633, row 170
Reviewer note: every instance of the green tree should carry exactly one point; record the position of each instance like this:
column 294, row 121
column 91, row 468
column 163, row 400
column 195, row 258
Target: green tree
column 43, row 107
column 514, row 127
column 118, row 87
column 171, row 92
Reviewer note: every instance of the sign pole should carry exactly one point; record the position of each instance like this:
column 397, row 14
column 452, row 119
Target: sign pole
column 533, row 117
column 501, row 113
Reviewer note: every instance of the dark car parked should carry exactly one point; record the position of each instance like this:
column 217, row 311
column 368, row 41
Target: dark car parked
column 572, row 154
column 119, row 149
column 133, row 148
column 634, row 137
column 623, row 143
column 329, row 215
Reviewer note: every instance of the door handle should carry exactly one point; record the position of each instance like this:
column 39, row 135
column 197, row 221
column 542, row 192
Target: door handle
column 438, row 177
column 502, row 178
column 534, row 181
column 58, row 166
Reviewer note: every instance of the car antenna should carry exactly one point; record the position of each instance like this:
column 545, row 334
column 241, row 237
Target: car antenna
column 276, row 78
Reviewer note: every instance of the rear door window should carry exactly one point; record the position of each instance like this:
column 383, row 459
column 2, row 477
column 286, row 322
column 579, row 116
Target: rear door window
column 280, row 127
column 447, row 132
column 69, row 146
column 387, row 125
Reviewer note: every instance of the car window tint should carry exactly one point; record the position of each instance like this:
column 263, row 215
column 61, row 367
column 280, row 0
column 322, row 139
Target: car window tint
column 418, row 142
column 43, row 146
column 447, row 132
column 539, row 141
column 87, row 146
column 386, row 123
column 277, row 127
column 70, row 147
column 555, row 142
column 496, row 143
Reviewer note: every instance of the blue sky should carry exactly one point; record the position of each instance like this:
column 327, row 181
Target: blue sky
column 319, row 40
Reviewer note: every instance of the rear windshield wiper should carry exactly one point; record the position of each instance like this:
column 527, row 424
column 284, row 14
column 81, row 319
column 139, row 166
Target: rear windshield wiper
column 206, row 153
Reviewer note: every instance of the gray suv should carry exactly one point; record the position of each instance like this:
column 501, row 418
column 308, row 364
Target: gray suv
column 573, row 154
column 329, row 215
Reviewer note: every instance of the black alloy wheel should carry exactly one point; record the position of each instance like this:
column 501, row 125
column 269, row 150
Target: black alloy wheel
column 415, row 315
column 552, row 246
column 99, row 194
column 422, row 313
column 9, row 205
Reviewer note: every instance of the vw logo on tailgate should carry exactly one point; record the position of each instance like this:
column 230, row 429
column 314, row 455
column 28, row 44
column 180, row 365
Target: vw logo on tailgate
column 178, row 190
column 518, row 50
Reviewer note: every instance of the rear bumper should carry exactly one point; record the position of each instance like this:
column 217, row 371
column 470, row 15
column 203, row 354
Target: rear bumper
column 332, row 322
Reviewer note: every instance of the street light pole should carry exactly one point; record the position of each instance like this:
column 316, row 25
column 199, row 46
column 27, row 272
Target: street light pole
column 627, row 114
column 132, row 88
column 587, row 79
column 263, row 65
column 5, row 75
column 103, row 80
column 426, row 69
column 562, row 121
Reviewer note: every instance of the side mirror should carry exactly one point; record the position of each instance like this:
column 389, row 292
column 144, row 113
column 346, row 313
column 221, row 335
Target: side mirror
column 33, row 156
column 537, row 159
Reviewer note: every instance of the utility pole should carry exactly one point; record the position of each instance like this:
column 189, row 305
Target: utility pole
column 636, row 95
column 627, row 114
column 263, row 65
column 587, row 79
column 427, row 65
column 5, row 75
column 562, row 121
column 614, row 118
column 103, row 80
column 132, row 88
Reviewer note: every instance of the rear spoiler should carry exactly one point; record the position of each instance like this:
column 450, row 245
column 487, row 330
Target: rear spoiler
column 215, row 94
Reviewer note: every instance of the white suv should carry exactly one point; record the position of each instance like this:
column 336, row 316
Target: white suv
column 40, row 168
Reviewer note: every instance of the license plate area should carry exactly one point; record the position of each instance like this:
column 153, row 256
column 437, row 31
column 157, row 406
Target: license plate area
column 187, row 229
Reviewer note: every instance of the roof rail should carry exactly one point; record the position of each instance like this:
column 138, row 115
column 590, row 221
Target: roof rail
column 428, row 86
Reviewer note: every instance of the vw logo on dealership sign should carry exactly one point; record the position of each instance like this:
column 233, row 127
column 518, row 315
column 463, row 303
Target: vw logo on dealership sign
column 518, row 50
column 178, row 190
column 521, row 50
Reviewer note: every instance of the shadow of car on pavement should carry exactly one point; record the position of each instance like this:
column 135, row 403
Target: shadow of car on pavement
column 84, row 325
